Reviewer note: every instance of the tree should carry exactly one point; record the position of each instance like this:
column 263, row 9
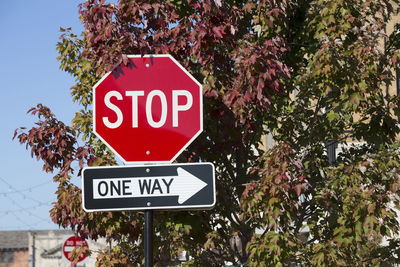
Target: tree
column 308, row 72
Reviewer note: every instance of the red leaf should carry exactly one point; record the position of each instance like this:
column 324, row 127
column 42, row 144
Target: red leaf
column 298, row 188
column 218, row 3
column 218, row 32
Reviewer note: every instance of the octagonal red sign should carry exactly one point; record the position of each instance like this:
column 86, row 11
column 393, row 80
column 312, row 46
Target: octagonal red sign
column 149, row 110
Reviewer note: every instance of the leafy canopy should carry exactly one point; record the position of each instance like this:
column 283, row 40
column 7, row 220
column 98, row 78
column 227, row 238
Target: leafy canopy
column 308, row 73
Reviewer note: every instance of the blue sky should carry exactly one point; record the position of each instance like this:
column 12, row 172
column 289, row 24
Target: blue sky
column 30, row 74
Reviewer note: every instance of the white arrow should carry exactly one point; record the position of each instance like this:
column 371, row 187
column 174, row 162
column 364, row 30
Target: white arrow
column 184, row 185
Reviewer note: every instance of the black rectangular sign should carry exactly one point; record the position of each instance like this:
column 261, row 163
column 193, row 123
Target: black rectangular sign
column 173, row 186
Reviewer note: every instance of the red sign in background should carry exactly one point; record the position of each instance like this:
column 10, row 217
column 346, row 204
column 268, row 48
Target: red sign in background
column 69, row 246
column 148, row 111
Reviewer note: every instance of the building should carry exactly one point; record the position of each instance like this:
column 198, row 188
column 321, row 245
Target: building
column 41, row 248
column 14, row 250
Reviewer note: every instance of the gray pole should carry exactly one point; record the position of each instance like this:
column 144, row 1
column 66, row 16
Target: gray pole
column 33, row 249
column 148, row 238
column 331, row 151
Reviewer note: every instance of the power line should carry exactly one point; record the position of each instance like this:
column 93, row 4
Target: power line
column 21, row 208
column 23, row 190
column 19, row 192
column 23, row 222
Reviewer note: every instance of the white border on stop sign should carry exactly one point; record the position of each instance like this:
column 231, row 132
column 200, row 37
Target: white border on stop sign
column 184, row 147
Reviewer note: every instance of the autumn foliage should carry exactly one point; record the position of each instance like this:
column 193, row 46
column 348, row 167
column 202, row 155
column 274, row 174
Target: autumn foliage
column 308, row 73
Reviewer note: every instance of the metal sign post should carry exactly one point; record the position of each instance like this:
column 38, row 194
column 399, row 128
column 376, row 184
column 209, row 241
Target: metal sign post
column 148, row 238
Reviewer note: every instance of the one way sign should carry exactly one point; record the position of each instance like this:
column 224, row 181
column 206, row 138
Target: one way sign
column 176, row 186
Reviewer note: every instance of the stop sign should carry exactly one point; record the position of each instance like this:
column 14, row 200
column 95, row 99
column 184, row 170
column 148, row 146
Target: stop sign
column 149, row 110
column 69, row 244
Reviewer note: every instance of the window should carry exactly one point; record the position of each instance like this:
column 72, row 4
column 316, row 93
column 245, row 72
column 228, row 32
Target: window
column 6, row 256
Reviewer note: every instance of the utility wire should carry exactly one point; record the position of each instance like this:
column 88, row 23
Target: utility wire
column 21, row 208
column 27, row 211
column 19, row 192
column 23, row 222
column 23, row 190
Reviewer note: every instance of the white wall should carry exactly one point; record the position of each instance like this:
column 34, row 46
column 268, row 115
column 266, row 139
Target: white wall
column 47, row 246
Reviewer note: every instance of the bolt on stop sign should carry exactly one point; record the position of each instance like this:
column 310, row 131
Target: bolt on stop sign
column 149, row 110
